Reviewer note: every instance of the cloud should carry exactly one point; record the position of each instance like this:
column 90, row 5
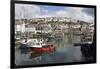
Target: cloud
column 26, row 11
column 77, row 13
column 89, row 11
column 32, row 11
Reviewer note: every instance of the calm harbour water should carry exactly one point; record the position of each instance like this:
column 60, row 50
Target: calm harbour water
column 65, row 53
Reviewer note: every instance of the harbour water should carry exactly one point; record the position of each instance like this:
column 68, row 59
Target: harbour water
column 65, row 53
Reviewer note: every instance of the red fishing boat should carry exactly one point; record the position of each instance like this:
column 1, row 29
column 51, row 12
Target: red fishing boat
column 40, row 46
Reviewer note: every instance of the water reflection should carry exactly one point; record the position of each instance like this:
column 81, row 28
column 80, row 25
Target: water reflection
column 65, row 53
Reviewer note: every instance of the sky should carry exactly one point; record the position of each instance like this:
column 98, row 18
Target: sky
column 35, row 11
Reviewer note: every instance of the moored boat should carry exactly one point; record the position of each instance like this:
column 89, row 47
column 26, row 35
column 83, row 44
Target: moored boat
column 40, row 46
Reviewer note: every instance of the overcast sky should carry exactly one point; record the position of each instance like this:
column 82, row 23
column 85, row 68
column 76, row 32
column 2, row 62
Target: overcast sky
column 33, row 11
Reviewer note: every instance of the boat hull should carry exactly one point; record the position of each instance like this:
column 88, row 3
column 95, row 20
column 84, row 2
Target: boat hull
column 45, row 49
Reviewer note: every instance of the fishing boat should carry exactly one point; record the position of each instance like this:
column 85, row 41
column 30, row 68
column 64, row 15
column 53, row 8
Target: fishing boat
column 39, row 46
column 87, row 48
